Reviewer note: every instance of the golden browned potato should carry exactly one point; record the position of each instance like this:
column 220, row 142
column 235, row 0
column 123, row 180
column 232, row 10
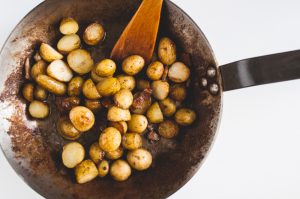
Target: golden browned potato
column 86, row 171
column 126, row 82
column 95, row 77
column 179, row 72
column 103, row 168
column 68, row 26
column 110, row 139
column 132, row 141
column 51, row 84
column 39, row 110
column 106, row 68
column 168, row 129
column 27, row 92
column 80, row 61
column 178, row 92
column 120, row 126
column 40, row 93
column 75, row 86
column 185, row 117
column 67, row 130
column 48, row 53
column 120, row 170
column 65, row 104
column 93, row 105
column 123, row 98
column 132, row 65
column 154, row 114
column 160, row 89
column 108, row 87
column 143, row 84
column 167, row 51
column 89, row 90
column 40, row 68
column 82, row 118
column 114, row 155
column 60, row 71
column 93, row 34
column 68, row 43
column 155, row 70
column 139, row 159
column 116, row 114
column 73, row 153
column 141, row 102
column 96, row 153
column 168, row 107
column 138, row 123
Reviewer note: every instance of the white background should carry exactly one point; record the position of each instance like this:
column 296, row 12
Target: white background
column 256, row 153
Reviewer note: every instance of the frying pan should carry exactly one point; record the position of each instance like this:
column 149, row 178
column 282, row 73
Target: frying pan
column 33, row 147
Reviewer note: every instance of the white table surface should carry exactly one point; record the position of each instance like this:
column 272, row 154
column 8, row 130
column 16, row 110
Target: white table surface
column 256, row 153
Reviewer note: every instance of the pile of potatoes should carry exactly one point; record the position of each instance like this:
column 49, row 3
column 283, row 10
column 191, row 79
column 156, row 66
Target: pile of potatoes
column 83, row 89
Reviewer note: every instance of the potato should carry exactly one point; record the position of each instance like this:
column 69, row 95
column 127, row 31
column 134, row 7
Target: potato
column 139, row 159
column 132, row 65
column 123, row 98
column 37, row 57
column 178, row 92
column 65, row 104
column 93, row 105
column 86, row 171
column 120, row 126
column 68, row 43
column 75, row 86
column 96, row 153
column 89, row 90
column 126, row 82
column 138, row 123
column 168, row 129
column 106, row 68
column 93, row 34
column 67, row 130
column 80, row 61
column 60, row 71
column 110, row 139
column 48, row 53
column 179, row 72
column 132, row 141
column 154, row 114
column 40, row 68
column 27, row 92
column 155, row 70
column 116, row 114
column 73, row 153
column 95, row 77
column 143, row 84
column 185, row 117
column 82, row 118
column 103, row 168
column 68, row 26
column 167, row 51
column 39, row 110
column 40, row 93
column 108, row 87
column 51, row 85
column 120, row 170
column 114, row 155
column 167, row 107
column 160, row 89
column 141, row 102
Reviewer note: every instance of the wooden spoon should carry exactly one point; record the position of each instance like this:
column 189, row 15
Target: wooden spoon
column 140, row 35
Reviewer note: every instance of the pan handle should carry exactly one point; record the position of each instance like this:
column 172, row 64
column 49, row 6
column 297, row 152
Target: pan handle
column 261, row 70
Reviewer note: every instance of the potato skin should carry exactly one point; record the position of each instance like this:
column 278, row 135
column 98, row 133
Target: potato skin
column 51, row 85
column 96, row 78
column 60, row 71
column 167, row 51
column 39, row 110
column 141, row 102
column 132, row 141
column 89, row 90
column 65, row 104
column 80, row 61
column 178, row 92
column 39, row 68
column 67, row 130
column 75, row 86
column 154, row 114
column 114, row 155
column 93, row 34
column 155, row 70
column 103, row 168
column 27, row 92
column 72, row 154
column 48, row 53
column 185, row 117
column 108, row 87
column 120, row 170
column 68, row 26
column 40, row 93
column 82, row 118
column 120, row 126
column 138, row 123
column 179, row 72
column 143, row 84
column 139, row 159
column 110, row 139
column 168, row 129
column 123, row 98
column 96, row 153
column 160, row 89
column 106, row 68
column 126, row 82
column 132, row 65
column 116, row 114
column 68, row 43
column 168, row 107
column 93, row 105
column 86, row 171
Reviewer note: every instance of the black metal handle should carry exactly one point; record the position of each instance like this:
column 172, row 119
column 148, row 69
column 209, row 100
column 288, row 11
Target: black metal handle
column 261, row 70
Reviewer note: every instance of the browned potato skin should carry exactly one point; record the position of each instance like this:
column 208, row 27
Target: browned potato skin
column 110, row 139
column 126, row 82
column 139, row 159
column 168, row 129
column 89, row 90
column 138, row 123
column 51, row 85
column 178, row 92
column 75, row 86
column 40, row 68
column 132, row 141
column 93, row 34
column 155, row 70
column 120, row 170
column 154, row 114
column 168, row 107
column 48, row 53
column 143, row 84
column 105, row 68
column 40, row 93
column 120, row 126
column 123, row 98
column 96, row 78
column 185, row 117
column 65, row 104
column 27, row 92
column 67, row 130
column 103, row 168
column 114, row 155
column 167, row 51
column 82, row 118
column 96, row 153
column 141, row 102
column 116, row 114
column 93, row 105
column 108, row 87
column 132, row 65
column 86, row 171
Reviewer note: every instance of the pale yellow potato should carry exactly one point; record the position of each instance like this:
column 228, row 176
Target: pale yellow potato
column 27, row 92
column 93, row 105
column 73, row 153
column 126, row 82
column 168, row 129
column 96, row 153
column 120, row 170
column 39, row 110
column 139, row 159
column 120, row 126
column 105, row 68
column 185, row 116
column 48, row 53
column 40, row 93
column 86, row 171
column 132, row 65
column 82, row 118
column 60, row 71
column 155, row 70
column 114, row 155
column 51, row 84
column 110, row 139
column 39, row 68
column 138, row 123
column 178, row 92
column 160, row 89
column 89, row 90
column 80, row 61
column 68, row 26
column 143, row 84
column 116, row 114
column 132, row 141
column 68, row 43
column 93, row 34
column 154, row 114
column 67, row 130
column 75, row 86
column 95, row 77
column 103, row 168
column 168, row 107
column 179, row 72
column 167, row 51
column 108, row 87
column 123, row 98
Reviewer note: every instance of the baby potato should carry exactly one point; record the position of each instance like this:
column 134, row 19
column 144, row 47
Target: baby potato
column 168, row 129
column 114, row 155
column 178, row 92
column 27, row 92
column 39, row 110
column 155, row 70
column 67, row 130
column 93, row 105
column 40, row 93
column 68, row 43
column 167, row 51
column 116, row 114
column 123, row 98
column 154, row 114
column 103, row 168
column 132, row 141
column 167, row 107
column 110, row 139
column 185, row 117
column 141, row 101
column 86, row 171
column 89, row 90
column 51, row 85
column 80, row 61
column 108, row 87
column 143, row 84
column 68, row 26
column 60, row 71
column 65, row 104
column 139, row 159
column 132, row 65
column 95, row 77
column 138, row 123
column 72, row 154
column 120, row 170
column 82, row 118
column 179, row 72
column 40, row 68
column 93, row 34
column 160, row 89
column 96, row 153
column 126, row 82
column 106, row 68
column 75, row 86
column 120, row 126
column 48, row 53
